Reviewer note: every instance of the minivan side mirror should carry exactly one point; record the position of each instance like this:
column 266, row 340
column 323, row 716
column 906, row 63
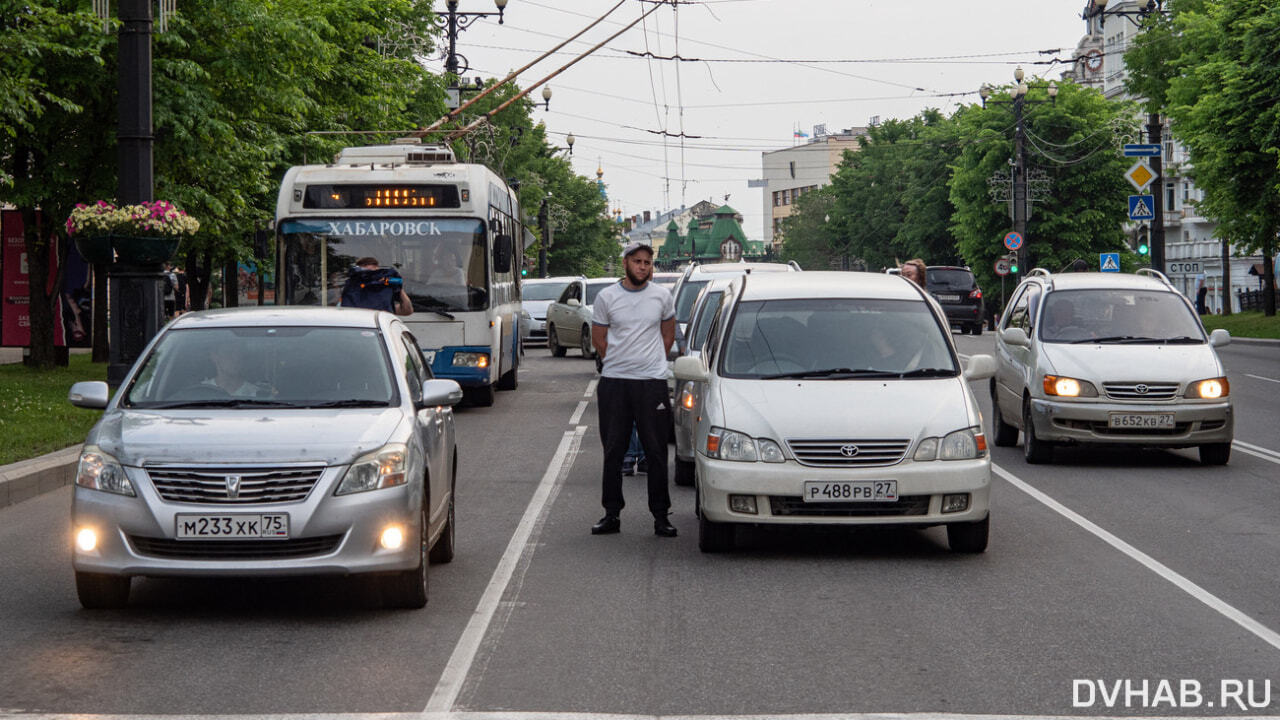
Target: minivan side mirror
column 573, row 302
column 1219, row 337
column 91, row 394
column 690, row 368
column 439, row 392
column 980, row 367
column 1015, row 336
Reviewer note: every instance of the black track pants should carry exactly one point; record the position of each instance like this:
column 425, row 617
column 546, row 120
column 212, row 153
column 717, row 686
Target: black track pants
column 644, row 402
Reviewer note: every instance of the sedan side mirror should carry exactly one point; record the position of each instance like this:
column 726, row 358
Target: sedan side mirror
column 690, row 368
column 980, row 367
column 440, row 392
column 1015, row 336
column 1219, row 337
column 91, row 394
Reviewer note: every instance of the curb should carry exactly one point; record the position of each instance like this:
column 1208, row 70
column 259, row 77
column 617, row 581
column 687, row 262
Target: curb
column 1254, row 341
column 29, row 478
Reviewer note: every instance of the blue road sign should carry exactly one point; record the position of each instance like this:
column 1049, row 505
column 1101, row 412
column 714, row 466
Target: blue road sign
column 1109, row 262
column 1141, row 150
column 1013, row 240
column 1141, row 207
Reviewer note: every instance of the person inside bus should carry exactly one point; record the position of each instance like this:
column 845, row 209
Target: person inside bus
column 448, row 268
column 376, row 288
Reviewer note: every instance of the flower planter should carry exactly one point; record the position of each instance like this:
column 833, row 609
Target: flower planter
column 145, row 250
column 95, row 249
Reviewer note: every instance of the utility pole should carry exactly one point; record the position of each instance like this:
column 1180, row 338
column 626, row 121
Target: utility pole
column 1020, row 173
column 545, row 225
column 1154, row 128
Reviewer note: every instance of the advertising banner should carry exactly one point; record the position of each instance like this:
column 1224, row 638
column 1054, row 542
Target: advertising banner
column 15, row 296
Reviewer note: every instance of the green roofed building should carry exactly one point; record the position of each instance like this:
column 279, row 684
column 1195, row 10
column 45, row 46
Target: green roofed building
column 713, row 237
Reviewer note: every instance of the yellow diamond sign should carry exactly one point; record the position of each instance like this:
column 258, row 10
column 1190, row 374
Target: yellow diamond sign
column 1140, row 175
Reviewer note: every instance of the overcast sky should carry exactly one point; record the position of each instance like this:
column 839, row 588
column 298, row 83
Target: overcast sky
column 765, row 69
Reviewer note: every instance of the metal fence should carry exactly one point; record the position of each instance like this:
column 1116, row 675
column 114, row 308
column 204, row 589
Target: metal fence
column 1254, row 299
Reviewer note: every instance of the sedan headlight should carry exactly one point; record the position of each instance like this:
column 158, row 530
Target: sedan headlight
column 1068, row 387
column 382, row 468
column 1210, row 389
column 725, row 444
column 100, row 471
column 965, row 444
column 471, row 359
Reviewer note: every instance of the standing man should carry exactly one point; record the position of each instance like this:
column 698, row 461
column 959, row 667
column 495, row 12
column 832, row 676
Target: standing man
column 632, row 327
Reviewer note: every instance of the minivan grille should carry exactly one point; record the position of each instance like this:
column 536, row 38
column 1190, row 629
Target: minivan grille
column 796, row 507
column 256, row 484
column 848, row 453
column 1140, row 391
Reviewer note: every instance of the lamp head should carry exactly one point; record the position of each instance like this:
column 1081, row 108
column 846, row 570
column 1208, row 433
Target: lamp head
column 1018, row 74
column 985, row 92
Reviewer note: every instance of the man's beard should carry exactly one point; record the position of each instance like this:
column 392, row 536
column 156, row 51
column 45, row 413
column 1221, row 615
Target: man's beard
column 638, row 280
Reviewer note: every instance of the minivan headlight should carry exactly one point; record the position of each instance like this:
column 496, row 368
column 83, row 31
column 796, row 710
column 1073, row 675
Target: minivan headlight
column 1210, row 389
column 724, row 444
column 100, row 471
column 383, row 468
column 1068, row 387
column 965, row 444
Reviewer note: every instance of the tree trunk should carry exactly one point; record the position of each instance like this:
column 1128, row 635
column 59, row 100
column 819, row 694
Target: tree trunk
column 101, row 347
column 199, row 267
column 1226, row 277
column 42, row 303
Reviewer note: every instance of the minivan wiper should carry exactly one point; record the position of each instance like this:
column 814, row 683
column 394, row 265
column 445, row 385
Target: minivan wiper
column 228, row 403
column 831, row 372
column 929, row 372
column 1182, row 340
column 348, row 403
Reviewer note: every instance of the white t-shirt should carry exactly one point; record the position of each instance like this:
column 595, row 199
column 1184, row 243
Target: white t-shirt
column 634, row 319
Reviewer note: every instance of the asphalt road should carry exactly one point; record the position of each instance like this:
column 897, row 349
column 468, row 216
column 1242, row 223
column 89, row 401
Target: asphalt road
column 1106, row 567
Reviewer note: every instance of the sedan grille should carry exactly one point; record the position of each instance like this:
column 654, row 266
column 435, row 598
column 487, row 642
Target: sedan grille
column 1140, row 391
column 785, row 505
column 234, row 549
column 234, row 485
column 848, row 453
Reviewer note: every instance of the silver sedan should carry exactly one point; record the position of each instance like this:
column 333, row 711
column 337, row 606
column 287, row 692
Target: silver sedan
column 269, row 442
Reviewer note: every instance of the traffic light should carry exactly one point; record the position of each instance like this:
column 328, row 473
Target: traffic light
column 524, row 271
column 1144, row 247
column 1013, row 262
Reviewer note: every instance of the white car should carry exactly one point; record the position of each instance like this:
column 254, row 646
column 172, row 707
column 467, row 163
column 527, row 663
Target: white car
column 682, row 414
column 569, row 317
column 696, row 275
column 536, row 296
column 1108, row 359
column 836, row 398
column 269, row 442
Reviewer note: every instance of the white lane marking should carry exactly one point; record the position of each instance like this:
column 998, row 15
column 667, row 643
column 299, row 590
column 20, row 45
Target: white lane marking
column 1263, row 632
column 591, row 387
column 577, row 414
column 1256, row 451
column 455, row 672
column 1259, row 377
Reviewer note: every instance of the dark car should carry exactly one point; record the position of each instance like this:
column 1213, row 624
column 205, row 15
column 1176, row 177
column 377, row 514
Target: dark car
column 958, row 293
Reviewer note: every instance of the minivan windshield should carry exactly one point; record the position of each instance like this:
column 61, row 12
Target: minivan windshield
column 1107, row 315
column 835, row 338
column 542, row 290
column 254, row 367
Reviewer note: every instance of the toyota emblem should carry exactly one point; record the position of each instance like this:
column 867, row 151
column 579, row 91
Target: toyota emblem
column 1141, row 388
column 233, row 486
column 848, row 450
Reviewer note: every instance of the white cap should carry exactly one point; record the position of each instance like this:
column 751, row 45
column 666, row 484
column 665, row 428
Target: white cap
column 634, row 246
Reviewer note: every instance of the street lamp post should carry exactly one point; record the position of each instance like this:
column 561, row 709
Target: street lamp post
column 454, row 22
column 1019, row 150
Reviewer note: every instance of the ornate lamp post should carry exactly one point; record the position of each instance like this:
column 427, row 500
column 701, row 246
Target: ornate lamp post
column 1098, row 9
column 1019, row 149
column 454, row 22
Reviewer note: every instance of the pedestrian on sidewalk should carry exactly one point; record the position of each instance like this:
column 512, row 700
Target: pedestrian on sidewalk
column 633, row 326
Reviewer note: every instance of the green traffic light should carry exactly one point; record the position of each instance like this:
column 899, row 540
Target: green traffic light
column 1143, row 249
column 1013, row 267
column 524, row 272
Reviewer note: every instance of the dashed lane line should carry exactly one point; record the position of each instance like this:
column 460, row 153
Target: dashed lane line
column 577, row 414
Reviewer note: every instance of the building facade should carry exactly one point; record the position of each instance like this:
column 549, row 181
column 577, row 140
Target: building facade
column 791, row 172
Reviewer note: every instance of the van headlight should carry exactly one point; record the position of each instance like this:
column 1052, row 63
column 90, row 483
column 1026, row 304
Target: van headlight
column 100, row 471
column 1068, row 387
column 965, row 444
column 383, row 468
column 1210, row 389
column 725, row 444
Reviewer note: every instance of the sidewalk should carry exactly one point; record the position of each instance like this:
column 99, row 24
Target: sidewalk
column 29, row 478
column 10, row 355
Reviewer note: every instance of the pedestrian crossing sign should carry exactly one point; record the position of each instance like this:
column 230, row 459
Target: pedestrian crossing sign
column 1141, row 207
column 1110, row 262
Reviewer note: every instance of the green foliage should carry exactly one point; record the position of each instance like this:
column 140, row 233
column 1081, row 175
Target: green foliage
column 1075, row 141
column 811, row 239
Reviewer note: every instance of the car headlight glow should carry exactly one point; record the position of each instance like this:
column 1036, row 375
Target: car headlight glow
column 471, row 359
column 725, row 444
column 1068, row 387
column 382, row 468
column 1210, row 389
column 965, row 444
column 100, row 471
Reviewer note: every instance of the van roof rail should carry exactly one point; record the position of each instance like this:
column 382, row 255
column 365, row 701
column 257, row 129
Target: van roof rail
column 1039, row 272
column 1152, row 272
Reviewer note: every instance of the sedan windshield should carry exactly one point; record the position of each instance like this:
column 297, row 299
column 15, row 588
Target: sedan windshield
column 839, row 338
column 1118, row 316
column 257, row 367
